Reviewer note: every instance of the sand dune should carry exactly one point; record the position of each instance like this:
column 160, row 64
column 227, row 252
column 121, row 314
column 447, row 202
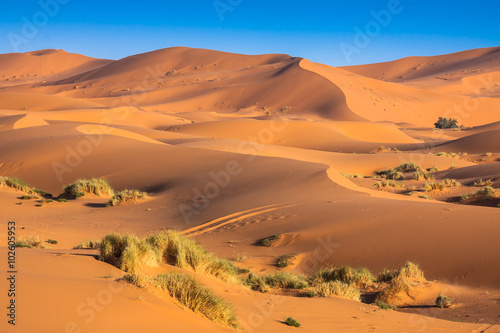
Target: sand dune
column 233, row 149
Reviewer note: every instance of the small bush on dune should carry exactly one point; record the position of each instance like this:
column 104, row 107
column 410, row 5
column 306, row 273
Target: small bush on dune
column 90, row 244
column 434, row 186
column 384, row 306
column 444, row 123
column 80, row 187
column 20, row 185
column 257, row 283
column 189, row 292
column 270, row 241
column 127, row 196
column 284, row 280
column 286, row 260
column 484, row 193
column 481, row 182
column 338, row 288
column 30, row 242
column 433, row 169
column 399, row 281
column 128, row 251
column 452, row 182
column 443, row 302
column 387, row 183
column 422, row 175
column 290, row 321
column 360, row 277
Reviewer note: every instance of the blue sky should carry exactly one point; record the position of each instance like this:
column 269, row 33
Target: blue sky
column 333, row 32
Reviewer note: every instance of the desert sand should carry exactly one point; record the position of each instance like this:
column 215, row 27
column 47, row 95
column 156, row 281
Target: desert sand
column 233, row 149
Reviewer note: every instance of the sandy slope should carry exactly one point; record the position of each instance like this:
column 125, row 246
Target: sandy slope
column 235, row 148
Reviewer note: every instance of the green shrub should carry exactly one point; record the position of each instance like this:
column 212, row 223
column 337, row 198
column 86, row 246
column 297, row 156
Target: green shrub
column 286, row 260
column 443, row 302
column 52, row 241
column 292, row 322
column 384, row 306
column 446, row 123
column 127, row 196
column 97, row 186
column 338, row 288
column 270, row 241
column 360, row 277
column 387, row 183
column 189, row 292
column 484, row 193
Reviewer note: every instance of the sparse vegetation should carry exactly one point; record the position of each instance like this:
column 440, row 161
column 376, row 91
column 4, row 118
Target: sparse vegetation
column 127, row 196
column 32, row 241
column 20, row 185
column 188, row 291
column 128, row 251
column 286, row 260
column 422, row 175
column 62, row 200
column 80, row 187
column 444, row 123
column 90, row 244
column 51, row 241
column 290, row 321
column 338, row 288
column 349, row 175
column 434, row 186
column 360, row 277
column 270, row 241
column 387, row 183
column 443, row 302
column 399, row 281
column 481, row 182
column 384, row 306
column 425, row 197
column 484, row 193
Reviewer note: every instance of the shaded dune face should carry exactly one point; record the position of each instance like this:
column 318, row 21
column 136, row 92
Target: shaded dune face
column 233, row 149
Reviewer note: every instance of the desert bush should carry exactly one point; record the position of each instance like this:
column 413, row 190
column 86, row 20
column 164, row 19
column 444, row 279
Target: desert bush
column 257, row 283
column 32, row 241
column 338, row 288
column 51, row 241
column 127, row 196
column 270, row 241
column 425, row 197
column 387, row 183
column 290, row 321
column 360, row 277
column 451, row 182
column 89, row 244
column 285, row 280
column 399, row 281
column 97, row 186
column 350, row 175
column 384, row 306
column 481, row 182
column 446, row 123
column 433, row 169
column 443, row 301
column 484, row 193
column 20, row 185
column 127, row 251
column 285, row 260
column 434, row 186
column 189, row 292
column 422, row 175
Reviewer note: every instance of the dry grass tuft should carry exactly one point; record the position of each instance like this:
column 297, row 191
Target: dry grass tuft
column 127, row 196
column 80, row 187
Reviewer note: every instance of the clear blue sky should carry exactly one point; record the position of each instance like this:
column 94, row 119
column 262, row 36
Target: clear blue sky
column 322, row 31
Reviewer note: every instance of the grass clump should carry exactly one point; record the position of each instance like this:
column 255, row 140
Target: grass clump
column 481, row 182
column 387, row 183
column 443, row 302
column 127, row 196
column 422, row 175
column 433, row 169
column 399, row 281
column 20, row 185
column 89, row 244
column 285, row 280
column 290, row 321
column 270, row 241
column 257, row 283
column 80, row 187
column 350, row 175
column 451, row 182
column 425, row 197
column 338, row 288
column 189, row 292
column 484, row 193
column 30, row 242
column 434, row 186
column 27, row 197
column 128, row 251
column 360, row 277
column 286, row 260
column 384, row 306
column 62, row 200
column 51, row 241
